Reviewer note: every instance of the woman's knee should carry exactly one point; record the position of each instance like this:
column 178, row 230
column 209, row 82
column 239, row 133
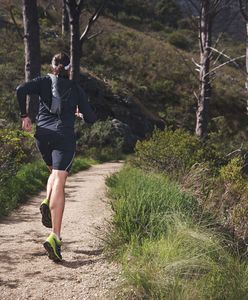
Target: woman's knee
column 59, row 177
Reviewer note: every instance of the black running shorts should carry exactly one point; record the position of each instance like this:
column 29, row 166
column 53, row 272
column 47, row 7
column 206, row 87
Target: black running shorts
column 57, row 150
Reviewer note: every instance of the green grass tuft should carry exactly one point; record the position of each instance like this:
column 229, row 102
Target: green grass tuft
column 166, row 245
column 143, row 202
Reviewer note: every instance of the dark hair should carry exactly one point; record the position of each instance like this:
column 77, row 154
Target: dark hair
column 59, row 62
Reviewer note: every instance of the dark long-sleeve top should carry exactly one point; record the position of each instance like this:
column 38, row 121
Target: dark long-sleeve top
column 63, row 123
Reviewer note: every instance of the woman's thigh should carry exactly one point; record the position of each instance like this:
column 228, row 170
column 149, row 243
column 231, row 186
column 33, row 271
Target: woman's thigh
column 62, row 159
column 45, row 148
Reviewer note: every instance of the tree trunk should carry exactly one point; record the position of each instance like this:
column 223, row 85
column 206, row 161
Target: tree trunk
column 65, row 19
column 74, row 9
column 205, row 32
column 246, row 62
column 75, row 47
column 75, row 50
column 32, row 50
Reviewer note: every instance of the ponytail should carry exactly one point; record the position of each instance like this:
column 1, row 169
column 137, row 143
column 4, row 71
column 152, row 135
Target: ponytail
column 61, row 64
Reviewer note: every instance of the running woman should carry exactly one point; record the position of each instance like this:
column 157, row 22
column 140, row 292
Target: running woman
column 55, row 138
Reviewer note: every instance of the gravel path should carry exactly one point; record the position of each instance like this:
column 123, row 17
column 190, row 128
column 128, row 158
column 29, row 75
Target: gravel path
column 25, row 270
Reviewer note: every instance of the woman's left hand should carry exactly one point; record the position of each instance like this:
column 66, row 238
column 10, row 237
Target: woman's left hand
column 26, row 124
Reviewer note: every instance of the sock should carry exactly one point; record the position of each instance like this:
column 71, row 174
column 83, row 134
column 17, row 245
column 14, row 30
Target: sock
column 57, row 237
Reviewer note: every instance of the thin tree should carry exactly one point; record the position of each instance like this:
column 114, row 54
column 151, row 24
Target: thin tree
column 32, row 50
column 243, row 5
column 207, row 11
column 77, row 39
column 65, row 18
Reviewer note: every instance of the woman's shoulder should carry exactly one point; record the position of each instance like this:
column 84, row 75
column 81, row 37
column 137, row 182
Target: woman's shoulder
column 41, row 79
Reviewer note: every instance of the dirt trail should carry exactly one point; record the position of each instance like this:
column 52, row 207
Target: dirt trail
column 25, row 270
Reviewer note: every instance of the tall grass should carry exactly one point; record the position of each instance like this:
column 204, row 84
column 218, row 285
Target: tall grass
column 165, row 244
column 143, row 204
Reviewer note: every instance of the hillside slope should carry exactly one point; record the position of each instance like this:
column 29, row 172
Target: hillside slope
column 134, row 67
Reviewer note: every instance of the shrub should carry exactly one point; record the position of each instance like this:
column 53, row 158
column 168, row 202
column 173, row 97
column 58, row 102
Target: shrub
column 223, row 194
column 16, row 147
column 180, row 40
column 235, row 198
column 171, row 152
column 106, row 135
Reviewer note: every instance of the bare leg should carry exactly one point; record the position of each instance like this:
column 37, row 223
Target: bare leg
column 57, row 199
column 50, row 183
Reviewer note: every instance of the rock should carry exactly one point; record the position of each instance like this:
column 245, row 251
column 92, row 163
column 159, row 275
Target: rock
column 123, row 130
column 129, row 117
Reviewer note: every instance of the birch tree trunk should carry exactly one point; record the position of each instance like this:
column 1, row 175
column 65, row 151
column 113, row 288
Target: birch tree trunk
column 32, row 50
column 246, row 64
column 243, row 6
column 205, row 37
column 65, row 18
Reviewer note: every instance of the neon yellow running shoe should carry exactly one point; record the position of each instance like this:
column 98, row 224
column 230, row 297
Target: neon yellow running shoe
column 53, row 248
column 45, row 213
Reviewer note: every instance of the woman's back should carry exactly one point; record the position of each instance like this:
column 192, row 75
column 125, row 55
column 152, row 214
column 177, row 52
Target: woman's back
column 73, row 96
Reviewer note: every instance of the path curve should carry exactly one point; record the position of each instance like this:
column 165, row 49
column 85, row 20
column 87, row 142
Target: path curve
column 25, row 270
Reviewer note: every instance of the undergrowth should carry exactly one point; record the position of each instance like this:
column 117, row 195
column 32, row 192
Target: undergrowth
column 29, row 180
column 168, row 248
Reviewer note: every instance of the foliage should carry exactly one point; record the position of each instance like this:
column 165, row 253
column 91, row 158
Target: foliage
column 104, row 154
column 131, row 63
column 101, row 134
column 16, row 148
column 190, row 262
column 82, row 163
column 30, row 179
column 171, row 152
column 224, row 194
column 167, row 246
column 166, row 11
column 180, row 39
column 142, row 204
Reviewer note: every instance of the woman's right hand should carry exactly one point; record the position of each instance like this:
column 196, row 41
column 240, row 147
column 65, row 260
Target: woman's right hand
column 26, row 124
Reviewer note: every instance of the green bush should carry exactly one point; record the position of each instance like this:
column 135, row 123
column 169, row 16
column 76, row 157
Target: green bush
column 16, row 147
column 101, row 134
column 224, row 194
column 235, row 197
column 171, row 152
column 180, row 40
